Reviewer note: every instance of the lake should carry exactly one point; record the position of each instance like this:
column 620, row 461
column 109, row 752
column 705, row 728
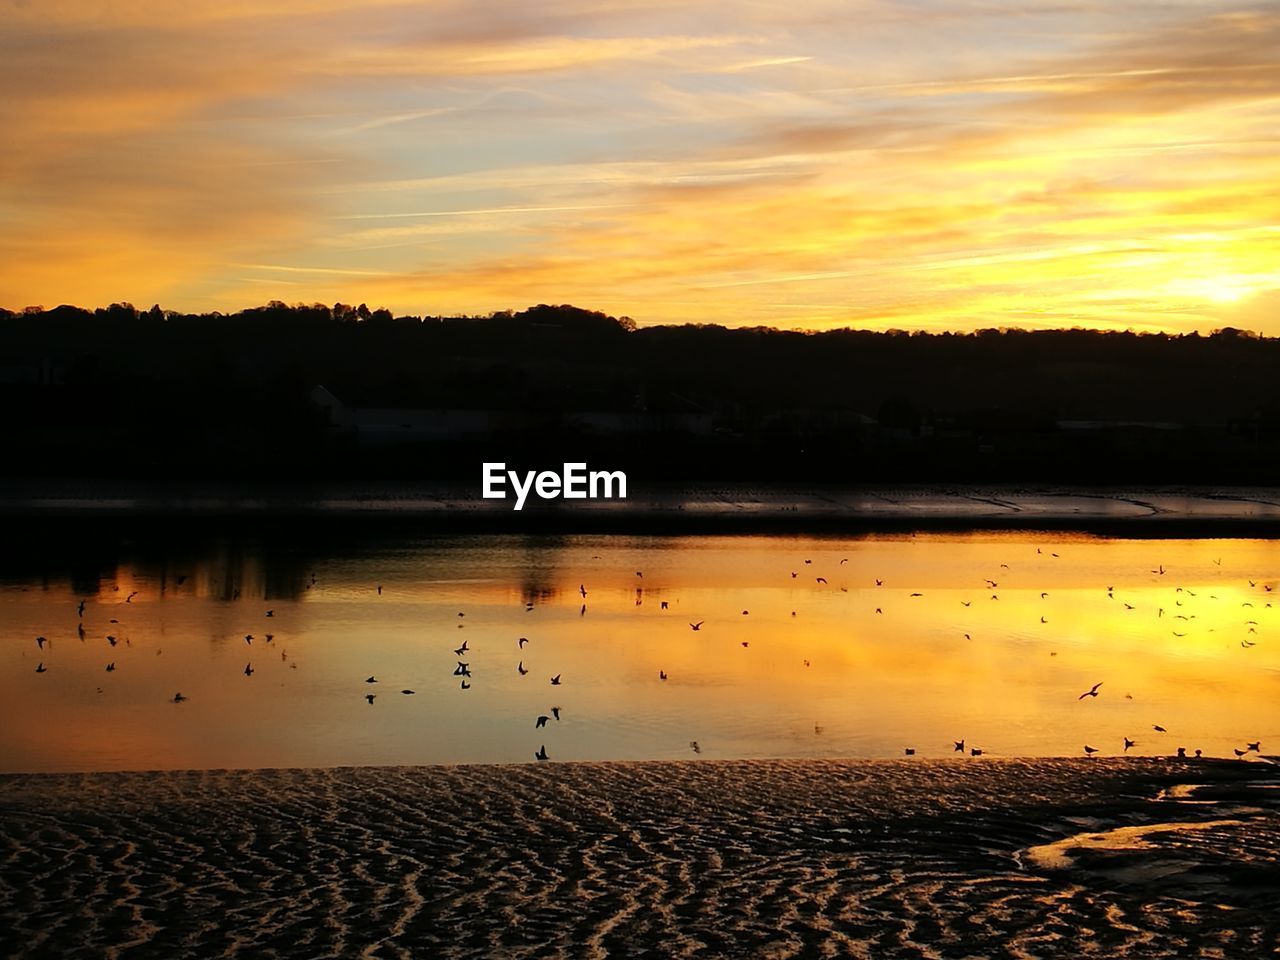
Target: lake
column 807, row 647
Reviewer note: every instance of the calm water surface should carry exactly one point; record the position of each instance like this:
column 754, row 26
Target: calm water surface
column 783, row 665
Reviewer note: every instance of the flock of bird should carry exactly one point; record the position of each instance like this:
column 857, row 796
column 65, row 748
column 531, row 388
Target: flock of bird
column 1178, row 612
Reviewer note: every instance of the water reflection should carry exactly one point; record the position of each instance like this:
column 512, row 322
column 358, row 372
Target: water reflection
column 807, row 647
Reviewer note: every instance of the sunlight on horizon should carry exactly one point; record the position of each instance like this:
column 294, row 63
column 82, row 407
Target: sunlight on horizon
column 936, row 166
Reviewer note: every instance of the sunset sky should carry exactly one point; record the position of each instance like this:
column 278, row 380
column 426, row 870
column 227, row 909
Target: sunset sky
column 943, row 164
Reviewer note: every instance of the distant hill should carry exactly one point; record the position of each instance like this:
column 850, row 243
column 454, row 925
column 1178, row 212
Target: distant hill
column 123, row 392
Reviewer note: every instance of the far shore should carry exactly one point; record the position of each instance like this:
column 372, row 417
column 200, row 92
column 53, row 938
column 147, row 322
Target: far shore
column 692, row 508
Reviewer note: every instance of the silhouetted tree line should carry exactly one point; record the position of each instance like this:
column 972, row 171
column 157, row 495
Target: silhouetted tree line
column 155, row 393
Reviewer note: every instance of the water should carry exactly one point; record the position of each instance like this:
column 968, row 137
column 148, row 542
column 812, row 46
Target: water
column 782, row 666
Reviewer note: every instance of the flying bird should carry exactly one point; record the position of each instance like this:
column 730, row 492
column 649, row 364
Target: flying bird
column 520, row 668
column 1128, row 743
column 521, row 642
column 372, row 680
column 959, row 746
column 40, row 642
column 42, row 668
column 698, row 625
column 1158, row 729
column 555, row 681
column 542, row 721
column 178, row 698
column 407, row 693
column 248, row 669
column 662, row 674
column 555, row 712
column 370, row 696
column 1091, row 692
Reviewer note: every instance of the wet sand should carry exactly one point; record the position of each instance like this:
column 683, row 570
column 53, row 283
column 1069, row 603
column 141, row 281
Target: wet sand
column 972, row 858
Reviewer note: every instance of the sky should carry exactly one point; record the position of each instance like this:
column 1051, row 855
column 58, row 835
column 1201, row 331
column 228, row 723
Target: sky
column 937, row 165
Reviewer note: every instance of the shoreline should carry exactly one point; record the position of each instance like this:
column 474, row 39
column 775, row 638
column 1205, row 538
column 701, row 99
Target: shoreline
column 696, row 508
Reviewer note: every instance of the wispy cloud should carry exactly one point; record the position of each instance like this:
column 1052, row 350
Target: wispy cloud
column 943, row 163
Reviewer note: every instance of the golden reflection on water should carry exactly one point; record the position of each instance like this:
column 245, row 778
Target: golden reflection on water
column 782, row 665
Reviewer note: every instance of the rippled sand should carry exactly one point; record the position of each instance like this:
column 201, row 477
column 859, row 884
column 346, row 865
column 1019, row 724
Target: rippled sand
column 1045, row 858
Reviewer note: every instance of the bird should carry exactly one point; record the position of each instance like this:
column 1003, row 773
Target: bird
column 975, row 752
column 555, row 681
column 879, row 582
column 1090, row 751
column 1158, row 729
column 663, row 605
column 582, row 589
column 129, row 598
column 42, row 668
column 695, row 746
column 966, row 603
column 459, row 651
column 80, row 609
column 878, row 610
column 370, row 696
column 555, row 712
column 407, row 693
column 843, row 560
column 40, row 642
column 520, row 668
column 521, row 642
column 1092, row 692
column 746, row 643
column 542, row 721
column 1128, row 743
column 1182, row 753
column 248, row 638
column 111, row 667
column 959, row 746
column 639, row 574
column 744, row 613
column 465, row 685
column 1256, row 746
column 917, row 594
column 379, row 593
column 272, row 613
column 662, row 674
column 372, row 680
column 542, row 753
column 178, row 698
column 909, row 751
column 821, row 579
column 463, row 670
column 1239, row 752
column 111, row 640
column 698, row 625
column 248, row 669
